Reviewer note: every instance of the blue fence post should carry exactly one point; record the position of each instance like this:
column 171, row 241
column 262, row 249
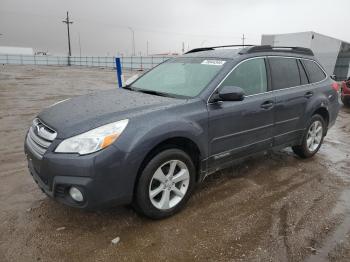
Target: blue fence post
column 119, row 71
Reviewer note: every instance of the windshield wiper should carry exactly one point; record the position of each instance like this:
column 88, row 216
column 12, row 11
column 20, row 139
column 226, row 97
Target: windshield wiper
column 128, row 87
column 152, row 92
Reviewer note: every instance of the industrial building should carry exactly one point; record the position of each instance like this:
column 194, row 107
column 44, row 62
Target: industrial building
column 333, row 54
column 14, row 50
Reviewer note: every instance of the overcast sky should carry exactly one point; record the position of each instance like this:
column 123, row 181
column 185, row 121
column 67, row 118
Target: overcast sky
column 103, row 24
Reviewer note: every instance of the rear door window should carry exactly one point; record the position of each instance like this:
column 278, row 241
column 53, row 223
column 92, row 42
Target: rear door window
column 316, row 74
column 284, row 72
column 250, row 75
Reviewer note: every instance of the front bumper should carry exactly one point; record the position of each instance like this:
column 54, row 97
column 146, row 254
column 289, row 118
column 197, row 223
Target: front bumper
column 105, row 178
column 61, row 185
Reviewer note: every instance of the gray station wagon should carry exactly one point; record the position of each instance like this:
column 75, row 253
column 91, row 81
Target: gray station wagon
column 149, row 143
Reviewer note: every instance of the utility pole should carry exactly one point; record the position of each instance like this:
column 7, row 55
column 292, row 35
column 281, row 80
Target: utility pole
column 68, row 22
column 147, row 47
column 133, row 40
column 183, row 47
column 79, row 46
column 243, row 38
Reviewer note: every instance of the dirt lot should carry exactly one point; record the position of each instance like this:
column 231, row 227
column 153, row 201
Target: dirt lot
column 272, row 207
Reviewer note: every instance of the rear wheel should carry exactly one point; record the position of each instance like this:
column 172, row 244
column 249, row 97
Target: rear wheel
column 165, row 184
column 313, row 138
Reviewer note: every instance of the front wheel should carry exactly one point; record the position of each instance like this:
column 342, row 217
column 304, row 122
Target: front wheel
column 313, row 138
column 165, row 184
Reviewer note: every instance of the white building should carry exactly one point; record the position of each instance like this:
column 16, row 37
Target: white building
column 333, row 54
column 12, row 50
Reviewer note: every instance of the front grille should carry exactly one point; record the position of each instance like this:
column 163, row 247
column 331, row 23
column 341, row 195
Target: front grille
column 39, row 138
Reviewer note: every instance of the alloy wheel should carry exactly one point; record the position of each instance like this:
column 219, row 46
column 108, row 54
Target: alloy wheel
column 314, row 136
column 169, row 184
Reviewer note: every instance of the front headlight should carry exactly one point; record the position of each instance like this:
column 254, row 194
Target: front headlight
column 93, row 140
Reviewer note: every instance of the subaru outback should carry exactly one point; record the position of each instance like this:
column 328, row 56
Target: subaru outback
column 150, row 143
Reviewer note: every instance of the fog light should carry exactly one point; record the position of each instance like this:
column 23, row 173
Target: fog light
column 76, row 194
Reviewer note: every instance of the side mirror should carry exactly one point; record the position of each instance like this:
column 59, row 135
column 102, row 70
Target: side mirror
column 130, row 80
column 333, row 76
column 229, row 93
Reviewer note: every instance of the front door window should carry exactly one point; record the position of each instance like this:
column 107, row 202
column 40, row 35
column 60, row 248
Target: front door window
column 250, row 75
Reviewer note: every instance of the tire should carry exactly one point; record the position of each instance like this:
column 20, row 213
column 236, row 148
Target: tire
column 311, row 141
column 158, row 183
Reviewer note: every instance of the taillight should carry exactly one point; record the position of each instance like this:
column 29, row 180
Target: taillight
column 335, row 86
column 346, row 84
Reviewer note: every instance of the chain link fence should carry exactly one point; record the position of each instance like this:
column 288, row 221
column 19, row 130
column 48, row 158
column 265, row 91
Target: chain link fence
column 129, row 63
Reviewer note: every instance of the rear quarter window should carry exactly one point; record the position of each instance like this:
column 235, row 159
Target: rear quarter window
column 316, row 74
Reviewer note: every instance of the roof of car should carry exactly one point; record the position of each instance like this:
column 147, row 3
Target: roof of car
column 231, row 53
column 216, row 53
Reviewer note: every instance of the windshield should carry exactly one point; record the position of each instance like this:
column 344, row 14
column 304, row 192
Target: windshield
column 185, row 77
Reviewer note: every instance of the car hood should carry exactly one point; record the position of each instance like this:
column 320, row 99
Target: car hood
column 83, row 113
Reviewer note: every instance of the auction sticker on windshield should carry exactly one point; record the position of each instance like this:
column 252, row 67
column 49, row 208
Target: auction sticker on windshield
column 213, row 62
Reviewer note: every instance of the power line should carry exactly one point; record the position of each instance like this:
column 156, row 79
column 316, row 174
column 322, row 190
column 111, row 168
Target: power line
column 68, row 22
column 138, row 28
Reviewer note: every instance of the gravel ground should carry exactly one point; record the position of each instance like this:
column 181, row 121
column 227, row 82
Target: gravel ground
column 270, row 207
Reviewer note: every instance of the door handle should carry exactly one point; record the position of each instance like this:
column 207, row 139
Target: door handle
column 309, row 94
column 267, row 104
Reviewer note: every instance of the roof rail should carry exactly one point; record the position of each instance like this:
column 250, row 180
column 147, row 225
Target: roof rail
column 269, row 48
column 200, row 49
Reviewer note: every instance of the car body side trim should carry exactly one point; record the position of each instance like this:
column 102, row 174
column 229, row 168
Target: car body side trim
column 286, row 121
column 228, row 152
column 241, row 132
column 286, row 133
